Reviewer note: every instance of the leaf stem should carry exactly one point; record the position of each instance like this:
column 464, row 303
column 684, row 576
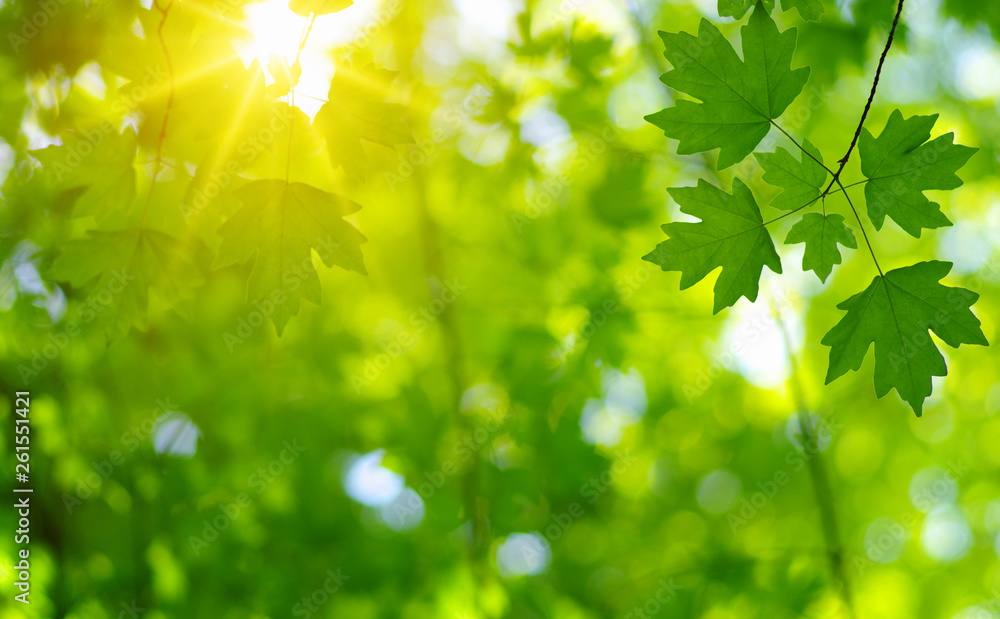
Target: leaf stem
column 802, row 148
column 857, row 133
column 843, row 189
column 791, row 212
column 306, row 31
column 871, row 250
column 799, row 208
column 302, row 94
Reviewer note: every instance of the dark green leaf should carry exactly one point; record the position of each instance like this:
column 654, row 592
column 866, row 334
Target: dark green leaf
column 739, row 98
column 738, row 8
column 281, row 223
column 357, row 111
column 900, row 165
column 821, row 234
column 810, row 10
column 125, row 265
column 100, row 160
column 730, row 235
column 896, row 312
column 802, row 180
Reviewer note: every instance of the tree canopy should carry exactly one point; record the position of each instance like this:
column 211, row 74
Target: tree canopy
column 501, row 308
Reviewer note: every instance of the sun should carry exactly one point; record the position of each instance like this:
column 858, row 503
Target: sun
column 275, row 31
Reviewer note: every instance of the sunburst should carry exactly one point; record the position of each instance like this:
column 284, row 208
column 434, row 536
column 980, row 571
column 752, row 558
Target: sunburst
column 276, row 31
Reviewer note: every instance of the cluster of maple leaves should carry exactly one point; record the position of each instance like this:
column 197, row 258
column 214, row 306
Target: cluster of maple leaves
column 737, row 104
column 272, row 223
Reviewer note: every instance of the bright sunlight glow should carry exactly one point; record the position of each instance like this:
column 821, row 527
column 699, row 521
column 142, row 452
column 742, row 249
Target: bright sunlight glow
column 275, row 31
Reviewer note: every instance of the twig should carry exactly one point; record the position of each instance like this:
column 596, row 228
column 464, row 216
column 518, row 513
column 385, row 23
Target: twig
column 158, row 162
column 857, row 133
column 871, row 97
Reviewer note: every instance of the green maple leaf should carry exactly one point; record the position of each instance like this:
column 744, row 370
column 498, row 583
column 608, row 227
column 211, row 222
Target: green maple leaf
column 821, row 234
column 126, row 264
column 99, row 160
column 357, row 111
column 738, row 8
column 318, row 7
column 739, row 98
column 730, row 235
column 801, row 180
column 896, row 312
column 282, row 223
column 810, row 10
column 901, row 164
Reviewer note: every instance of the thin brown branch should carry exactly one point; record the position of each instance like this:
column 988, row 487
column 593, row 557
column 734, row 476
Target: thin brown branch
column 158, row 162
column 871, row 97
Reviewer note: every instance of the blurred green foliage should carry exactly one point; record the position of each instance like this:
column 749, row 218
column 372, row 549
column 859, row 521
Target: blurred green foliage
column 511, row 415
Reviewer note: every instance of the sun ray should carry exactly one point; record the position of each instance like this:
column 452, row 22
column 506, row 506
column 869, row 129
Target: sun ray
column 221, row 155
column 275, row 31
column 229, row 141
